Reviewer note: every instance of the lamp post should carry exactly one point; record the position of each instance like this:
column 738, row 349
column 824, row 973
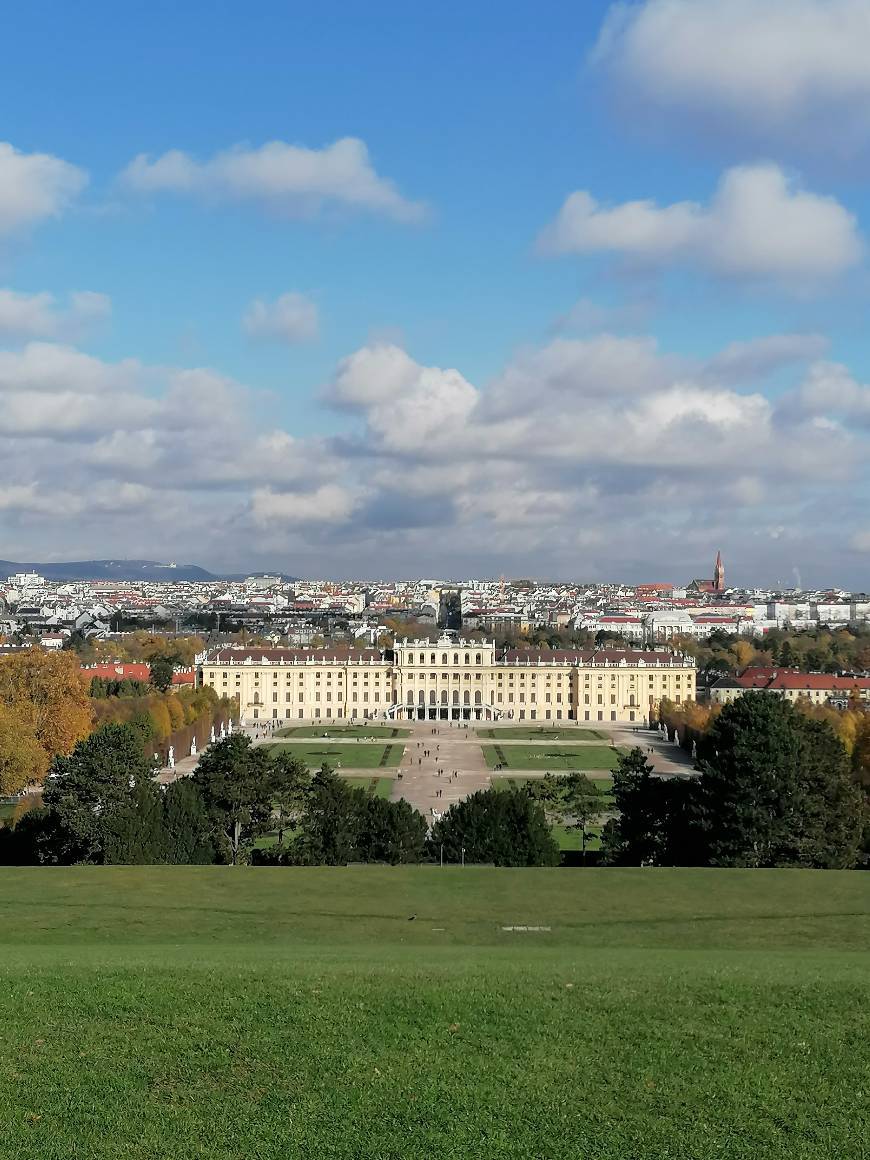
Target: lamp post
column 442, row 855
column 463, row 855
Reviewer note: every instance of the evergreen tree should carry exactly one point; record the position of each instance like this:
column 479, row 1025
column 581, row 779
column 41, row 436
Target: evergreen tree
column 290, row 785
column 135, row 835
column 235, row 780
column 189, row 832
column 391, row 832
column 653, row 823
column 776, row 789
column 504, row 827
column 331, row 824
column 87, row 789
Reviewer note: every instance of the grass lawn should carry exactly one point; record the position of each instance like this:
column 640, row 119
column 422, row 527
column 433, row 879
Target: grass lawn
column 344, row 731
column 167, row 1012
column 530, row 733
column 570, row 839
column 544, row 758
column 377, row 786
column 361, row 756
column 510, row 781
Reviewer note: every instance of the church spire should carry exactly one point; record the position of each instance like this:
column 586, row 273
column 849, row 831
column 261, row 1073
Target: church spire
column 719, row 574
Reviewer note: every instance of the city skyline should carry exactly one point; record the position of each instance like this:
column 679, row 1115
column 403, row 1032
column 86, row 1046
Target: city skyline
column 575, row 294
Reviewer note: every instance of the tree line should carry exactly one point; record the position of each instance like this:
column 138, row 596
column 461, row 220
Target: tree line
column 773, row 787
column 101, row 806
column 47, row 704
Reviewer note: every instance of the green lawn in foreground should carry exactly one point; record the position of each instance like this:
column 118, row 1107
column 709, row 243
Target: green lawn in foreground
column 343, row 731
column 530, row 733
column 354, row 756
column 544, row 758
column 217, row 1012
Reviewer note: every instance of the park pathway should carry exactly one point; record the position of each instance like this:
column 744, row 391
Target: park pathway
column 434, row 746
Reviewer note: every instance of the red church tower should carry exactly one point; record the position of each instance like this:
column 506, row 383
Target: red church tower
column 719, row 574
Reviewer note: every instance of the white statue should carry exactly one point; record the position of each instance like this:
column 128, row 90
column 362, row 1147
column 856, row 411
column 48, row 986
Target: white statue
column 223, row 731
column 170, row 761
column 212, row 735
column 193, row 748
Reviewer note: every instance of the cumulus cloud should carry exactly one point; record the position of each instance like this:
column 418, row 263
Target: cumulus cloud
column 286, row 179
column 407, row 407
column 35, row 186
column 759, row 225
column 830, row 389
column 291, row 318
column 778, row 73
column 594, row 456
column 28, row 316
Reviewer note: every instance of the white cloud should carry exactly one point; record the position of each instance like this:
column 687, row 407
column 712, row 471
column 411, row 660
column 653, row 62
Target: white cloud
column 45, row 366
column 26, row 316
column 603, row 452
column 286, row 179
column 408, row 407
column 860, row 541
column 290, row 318
column 35, row 186
column 329, row 504
column 776, row 72
column 759, row 225
column 830, row 389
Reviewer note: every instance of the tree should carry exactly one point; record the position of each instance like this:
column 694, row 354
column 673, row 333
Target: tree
column 23, row 761
column 235, row 780
column 291, row 782
column 653, row 823
column 87, row 789
column 135, row 834
column 505, row 827
column 571, row 800
column 47, row 693
column 331, row 823
column 776, row 789
column 391, row 832
column 189, row 832
column 162, row 670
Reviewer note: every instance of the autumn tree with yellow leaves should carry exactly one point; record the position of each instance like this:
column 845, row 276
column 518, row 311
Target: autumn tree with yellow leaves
column 46, row 695
column 44, row 710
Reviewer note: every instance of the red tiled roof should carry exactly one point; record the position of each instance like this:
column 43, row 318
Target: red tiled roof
column 793, row 680
column 119, row 671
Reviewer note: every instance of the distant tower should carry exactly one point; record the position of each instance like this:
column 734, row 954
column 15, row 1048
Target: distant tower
column 719, row 574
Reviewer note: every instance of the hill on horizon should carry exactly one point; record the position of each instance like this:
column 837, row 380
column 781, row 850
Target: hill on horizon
column 110, row 570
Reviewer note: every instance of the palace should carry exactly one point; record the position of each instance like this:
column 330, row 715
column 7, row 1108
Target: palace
column 450, row 680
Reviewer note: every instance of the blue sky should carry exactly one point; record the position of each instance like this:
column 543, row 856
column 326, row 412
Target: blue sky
column 458, row 367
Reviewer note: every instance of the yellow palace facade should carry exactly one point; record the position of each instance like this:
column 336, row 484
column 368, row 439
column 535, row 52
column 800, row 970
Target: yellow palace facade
column 450, row 680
